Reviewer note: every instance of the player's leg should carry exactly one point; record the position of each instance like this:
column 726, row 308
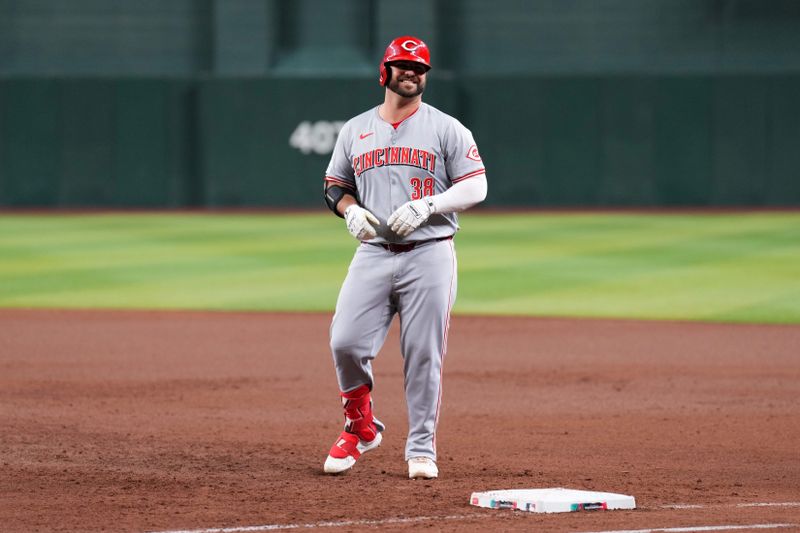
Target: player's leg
column 363, row 315
column 426, row 296
column 364, row 311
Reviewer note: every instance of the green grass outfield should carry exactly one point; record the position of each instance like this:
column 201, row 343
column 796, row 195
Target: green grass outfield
column 731, row 267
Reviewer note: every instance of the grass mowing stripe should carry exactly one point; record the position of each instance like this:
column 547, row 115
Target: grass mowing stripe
column 739, row 267
column 167, row 261
column 710, row 267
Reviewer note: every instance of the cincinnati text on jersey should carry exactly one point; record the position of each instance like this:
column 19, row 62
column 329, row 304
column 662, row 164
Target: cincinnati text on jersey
column 401, row 155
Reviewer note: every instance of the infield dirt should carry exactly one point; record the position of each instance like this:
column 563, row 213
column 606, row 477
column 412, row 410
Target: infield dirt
column 150, row 421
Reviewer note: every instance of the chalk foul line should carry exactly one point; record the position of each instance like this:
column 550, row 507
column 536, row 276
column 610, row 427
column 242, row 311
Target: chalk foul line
column 415, row 519
column 699, row 528
column 738, row 505
column 338, row 523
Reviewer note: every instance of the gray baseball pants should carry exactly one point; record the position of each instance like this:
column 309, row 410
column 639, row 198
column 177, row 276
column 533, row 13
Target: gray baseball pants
column 420, row 287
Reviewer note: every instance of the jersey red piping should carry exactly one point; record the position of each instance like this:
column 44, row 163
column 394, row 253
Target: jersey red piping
column 444, row 345
column 469, row 175
column 338, row 181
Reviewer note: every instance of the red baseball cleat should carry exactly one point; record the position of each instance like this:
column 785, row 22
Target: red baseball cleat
column 362, row 432
column 347, row 448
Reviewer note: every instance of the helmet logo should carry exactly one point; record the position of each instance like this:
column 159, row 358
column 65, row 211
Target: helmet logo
column 410, row 45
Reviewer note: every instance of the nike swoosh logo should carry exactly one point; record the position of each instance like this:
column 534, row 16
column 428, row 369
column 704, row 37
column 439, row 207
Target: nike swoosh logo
column 365, row 135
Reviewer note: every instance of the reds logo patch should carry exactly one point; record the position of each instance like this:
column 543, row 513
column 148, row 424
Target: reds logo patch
column 473, row 154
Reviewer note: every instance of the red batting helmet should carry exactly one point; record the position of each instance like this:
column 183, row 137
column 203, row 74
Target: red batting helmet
column 404, row 48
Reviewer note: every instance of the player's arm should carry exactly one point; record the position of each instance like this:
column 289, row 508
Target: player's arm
column 340, row 190
column 459, row 197
column 338, row 197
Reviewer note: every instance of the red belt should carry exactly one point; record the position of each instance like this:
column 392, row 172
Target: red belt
column 399, row 248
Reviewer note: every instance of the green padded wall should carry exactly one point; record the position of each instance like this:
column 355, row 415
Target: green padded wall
column 783, row 156
column 29, row 142
column 559, row 141
column 682, row 139
column 89, row 142
column 638, row 140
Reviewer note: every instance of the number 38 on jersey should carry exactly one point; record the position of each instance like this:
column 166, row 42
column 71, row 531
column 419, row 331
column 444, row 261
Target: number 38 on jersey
column 421, row 187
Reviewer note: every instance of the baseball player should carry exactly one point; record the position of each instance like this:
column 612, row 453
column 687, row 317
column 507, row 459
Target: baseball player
column 398, row 175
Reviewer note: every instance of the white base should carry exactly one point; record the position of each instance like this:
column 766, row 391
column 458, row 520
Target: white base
column 556, row 500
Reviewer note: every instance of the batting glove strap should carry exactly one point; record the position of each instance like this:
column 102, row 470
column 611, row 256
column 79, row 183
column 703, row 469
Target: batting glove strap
column 345, row 446
column 358, row 413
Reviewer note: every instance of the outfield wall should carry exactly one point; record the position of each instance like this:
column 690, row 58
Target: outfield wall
column 547, row 141
column 237, row 102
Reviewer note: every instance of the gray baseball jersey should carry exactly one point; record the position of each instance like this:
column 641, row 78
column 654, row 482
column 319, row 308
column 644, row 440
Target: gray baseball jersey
column 387, row 166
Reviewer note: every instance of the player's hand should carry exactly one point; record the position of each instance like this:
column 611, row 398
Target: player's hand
column 410, row 216
column 360, row 222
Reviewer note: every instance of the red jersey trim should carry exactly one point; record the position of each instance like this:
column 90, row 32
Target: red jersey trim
column 469, row 175
column 341, row 182
column 396, row 125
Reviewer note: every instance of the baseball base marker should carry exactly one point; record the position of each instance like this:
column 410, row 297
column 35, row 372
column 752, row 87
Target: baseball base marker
column 556, row 500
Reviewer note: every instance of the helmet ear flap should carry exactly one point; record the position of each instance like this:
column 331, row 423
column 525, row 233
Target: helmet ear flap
column 386, row 74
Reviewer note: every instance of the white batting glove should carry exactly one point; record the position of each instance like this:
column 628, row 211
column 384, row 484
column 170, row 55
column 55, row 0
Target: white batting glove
column 359, row 222
column 410, row 216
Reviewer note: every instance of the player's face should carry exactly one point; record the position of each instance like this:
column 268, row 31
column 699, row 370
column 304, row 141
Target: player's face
column 408, row 78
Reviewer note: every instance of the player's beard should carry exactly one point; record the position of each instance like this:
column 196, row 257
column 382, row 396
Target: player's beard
column 396, row 87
